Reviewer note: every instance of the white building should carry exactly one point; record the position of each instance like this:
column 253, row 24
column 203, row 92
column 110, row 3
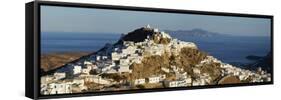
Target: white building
column 77, row 70
column 60, row 88
column 104, row 57
column 98, row 58
column 59, row 75
column 87, row 63
column 115, row 56
column 44, row 89
column 154, row 79
column 188, row 80
column 86, row 71
column 165, row 69
column 179, row 83
column 124, row 61
column 134, row 58
column 90, row 66
column 124, row 68
column 196, row 70
column 137, row 60
column 139, row 81
column 129, row 50
column 94, row 66
column 196, row 83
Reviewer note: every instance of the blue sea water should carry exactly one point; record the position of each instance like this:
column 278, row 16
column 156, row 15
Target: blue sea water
column 75, row 42
column 230, row 49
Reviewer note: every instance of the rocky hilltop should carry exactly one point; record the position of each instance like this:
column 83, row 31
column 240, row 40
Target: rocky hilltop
column 146, row 58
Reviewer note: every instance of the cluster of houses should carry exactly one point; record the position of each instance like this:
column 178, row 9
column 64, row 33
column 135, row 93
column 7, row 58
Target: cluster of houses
column 71, row 78
column 116, row 59
column 243, row 74
column 162, row 79
column 54, row 84
column 227, row 69
column 151, row 80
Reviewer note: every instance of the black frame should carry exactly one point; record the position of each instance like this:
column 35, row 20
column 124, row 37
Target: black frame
column 32, row 71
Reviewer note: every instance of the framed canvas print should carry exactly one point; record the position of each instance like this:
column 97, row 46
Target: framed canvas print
column 79, row 49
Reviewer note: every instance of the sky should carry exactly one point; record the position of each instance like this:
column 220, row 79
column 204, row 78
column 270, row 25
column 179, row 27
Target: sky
column 91, row 20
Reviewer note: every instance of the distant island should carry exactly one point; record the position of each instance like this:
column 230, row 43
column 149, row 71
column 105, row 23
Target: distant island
column 261, row 62
column 195, row 33
column 146, row 58
column 253, row 57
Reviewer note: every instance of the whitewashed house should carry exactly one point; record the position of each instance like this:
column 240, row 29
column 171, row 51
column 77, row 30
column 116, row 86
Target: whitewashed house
column 60, row 88
column 115, row 56
column 196, row 83
column 188, row 80
column 98, row 58
column 44, row 89
column 165, row 69
column 124, row 62
column 154, row 79
column 90, row 66
column 203, row 82
column 87, row 63
column 94, row 66
column 137, row 60
column 77, row 70
column 139, row 81
column 178, row 83
column 124, row 68
column 86, row 71
column 59, row 75
column 196, row 70
column 104, row 57
column 129, row 50
column 104, row 69
column 134, row 58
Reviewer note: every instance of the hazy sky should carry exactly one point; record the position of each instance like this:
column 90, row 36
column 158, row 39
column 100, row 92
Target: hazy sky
column 70, row 19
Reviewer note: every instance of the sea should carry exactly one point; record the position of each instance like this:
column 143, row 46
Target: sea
column 229, row 49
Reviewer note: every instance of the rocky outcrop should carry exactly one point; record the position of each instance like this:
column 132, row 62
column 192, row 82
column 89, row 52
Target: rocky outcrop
column 138, row 35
